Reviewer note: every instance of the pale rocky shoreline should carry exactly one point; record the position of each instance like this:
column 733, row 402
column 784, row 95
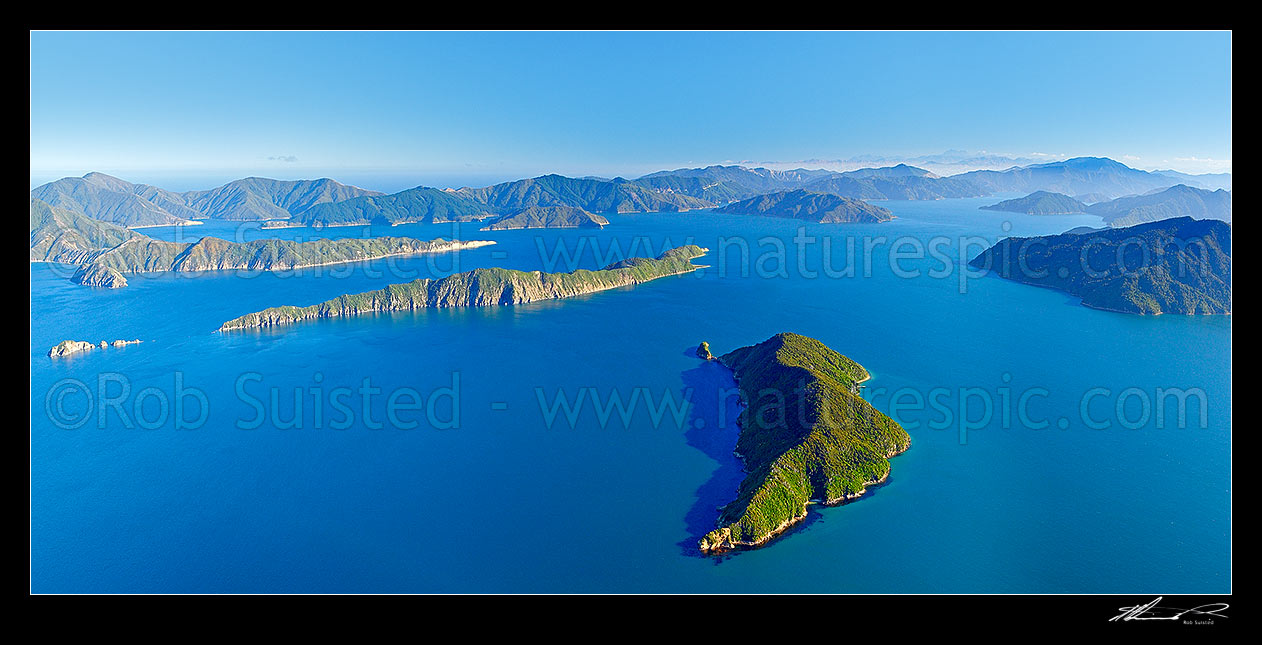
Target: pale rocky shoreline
column 68, row 347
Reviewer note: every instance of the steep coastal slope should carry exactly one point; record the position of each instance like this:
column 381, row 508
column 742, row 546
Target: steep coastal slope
column 481, row 288
column 259, row 198
column 1176, row 201
column 106, row 252
column 547, row 217
column 1040, row 203
column 806, row 436
column 60, row 235
column 114, row 200
column 1180, row 266
column 810, row 206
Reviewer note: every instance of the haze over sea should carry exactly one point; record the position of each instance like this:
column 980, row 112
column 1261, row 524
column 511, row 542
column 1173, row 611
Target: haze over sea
column 506, row 502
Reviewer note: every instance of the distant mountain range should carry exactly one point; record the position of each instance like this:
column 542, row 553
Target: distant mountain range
column 950, row 162
column 324, row 202
column 1099, row 177
column 1071, row 177
column 724, row 184
column 1212, row 181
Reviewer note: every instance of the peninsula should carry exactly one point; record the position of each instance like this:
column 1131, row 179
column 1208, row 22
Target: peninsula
column 481, row 288
column 105, row 252
column 806, row 437
column 1176, row 201
column 1178, row 265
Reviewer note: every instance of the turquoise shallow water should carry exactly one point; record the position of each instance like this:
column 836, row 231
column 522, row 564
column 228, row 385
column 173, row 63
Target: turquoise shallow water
column 506, row 502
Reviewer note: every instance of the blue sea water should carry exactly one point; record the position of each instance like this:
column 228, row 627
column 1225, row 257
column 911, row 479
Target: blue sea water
column 504, row 501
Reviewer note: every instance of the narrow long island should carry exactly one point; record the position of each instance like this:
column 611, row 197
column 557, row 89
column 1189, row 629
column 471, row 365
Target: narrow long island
column 481, row 288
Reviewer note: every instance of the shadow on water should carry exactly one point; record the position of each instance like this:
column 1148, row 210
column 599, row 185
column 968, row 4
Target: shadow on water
column 712, row 430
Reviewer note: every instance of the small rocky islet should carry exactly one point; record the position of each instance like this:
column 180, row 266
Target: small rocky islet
column 68, row 347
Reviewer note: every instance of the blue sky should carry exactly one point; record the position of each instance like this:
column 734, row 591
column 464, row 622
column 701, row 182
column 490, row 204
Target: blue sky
column 390, row 110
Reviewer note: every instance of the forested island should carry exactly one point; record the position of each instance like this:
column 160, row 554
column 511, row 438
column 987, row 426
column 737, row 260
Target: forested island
column 806, row 437
column 1179, row 265
column 1040, row 202
column 810, row 206
column 547, row 217
column 481, row 288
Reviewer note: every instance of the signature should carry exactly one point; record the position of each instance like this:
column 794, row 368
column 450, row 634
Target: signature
column 1151, row 611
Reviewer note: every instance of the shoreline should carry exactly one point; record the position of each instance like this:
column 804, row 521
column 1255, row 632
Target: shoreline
column 191, row 222
column 788, row 524
column 459, row 246
column 1083, row 302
